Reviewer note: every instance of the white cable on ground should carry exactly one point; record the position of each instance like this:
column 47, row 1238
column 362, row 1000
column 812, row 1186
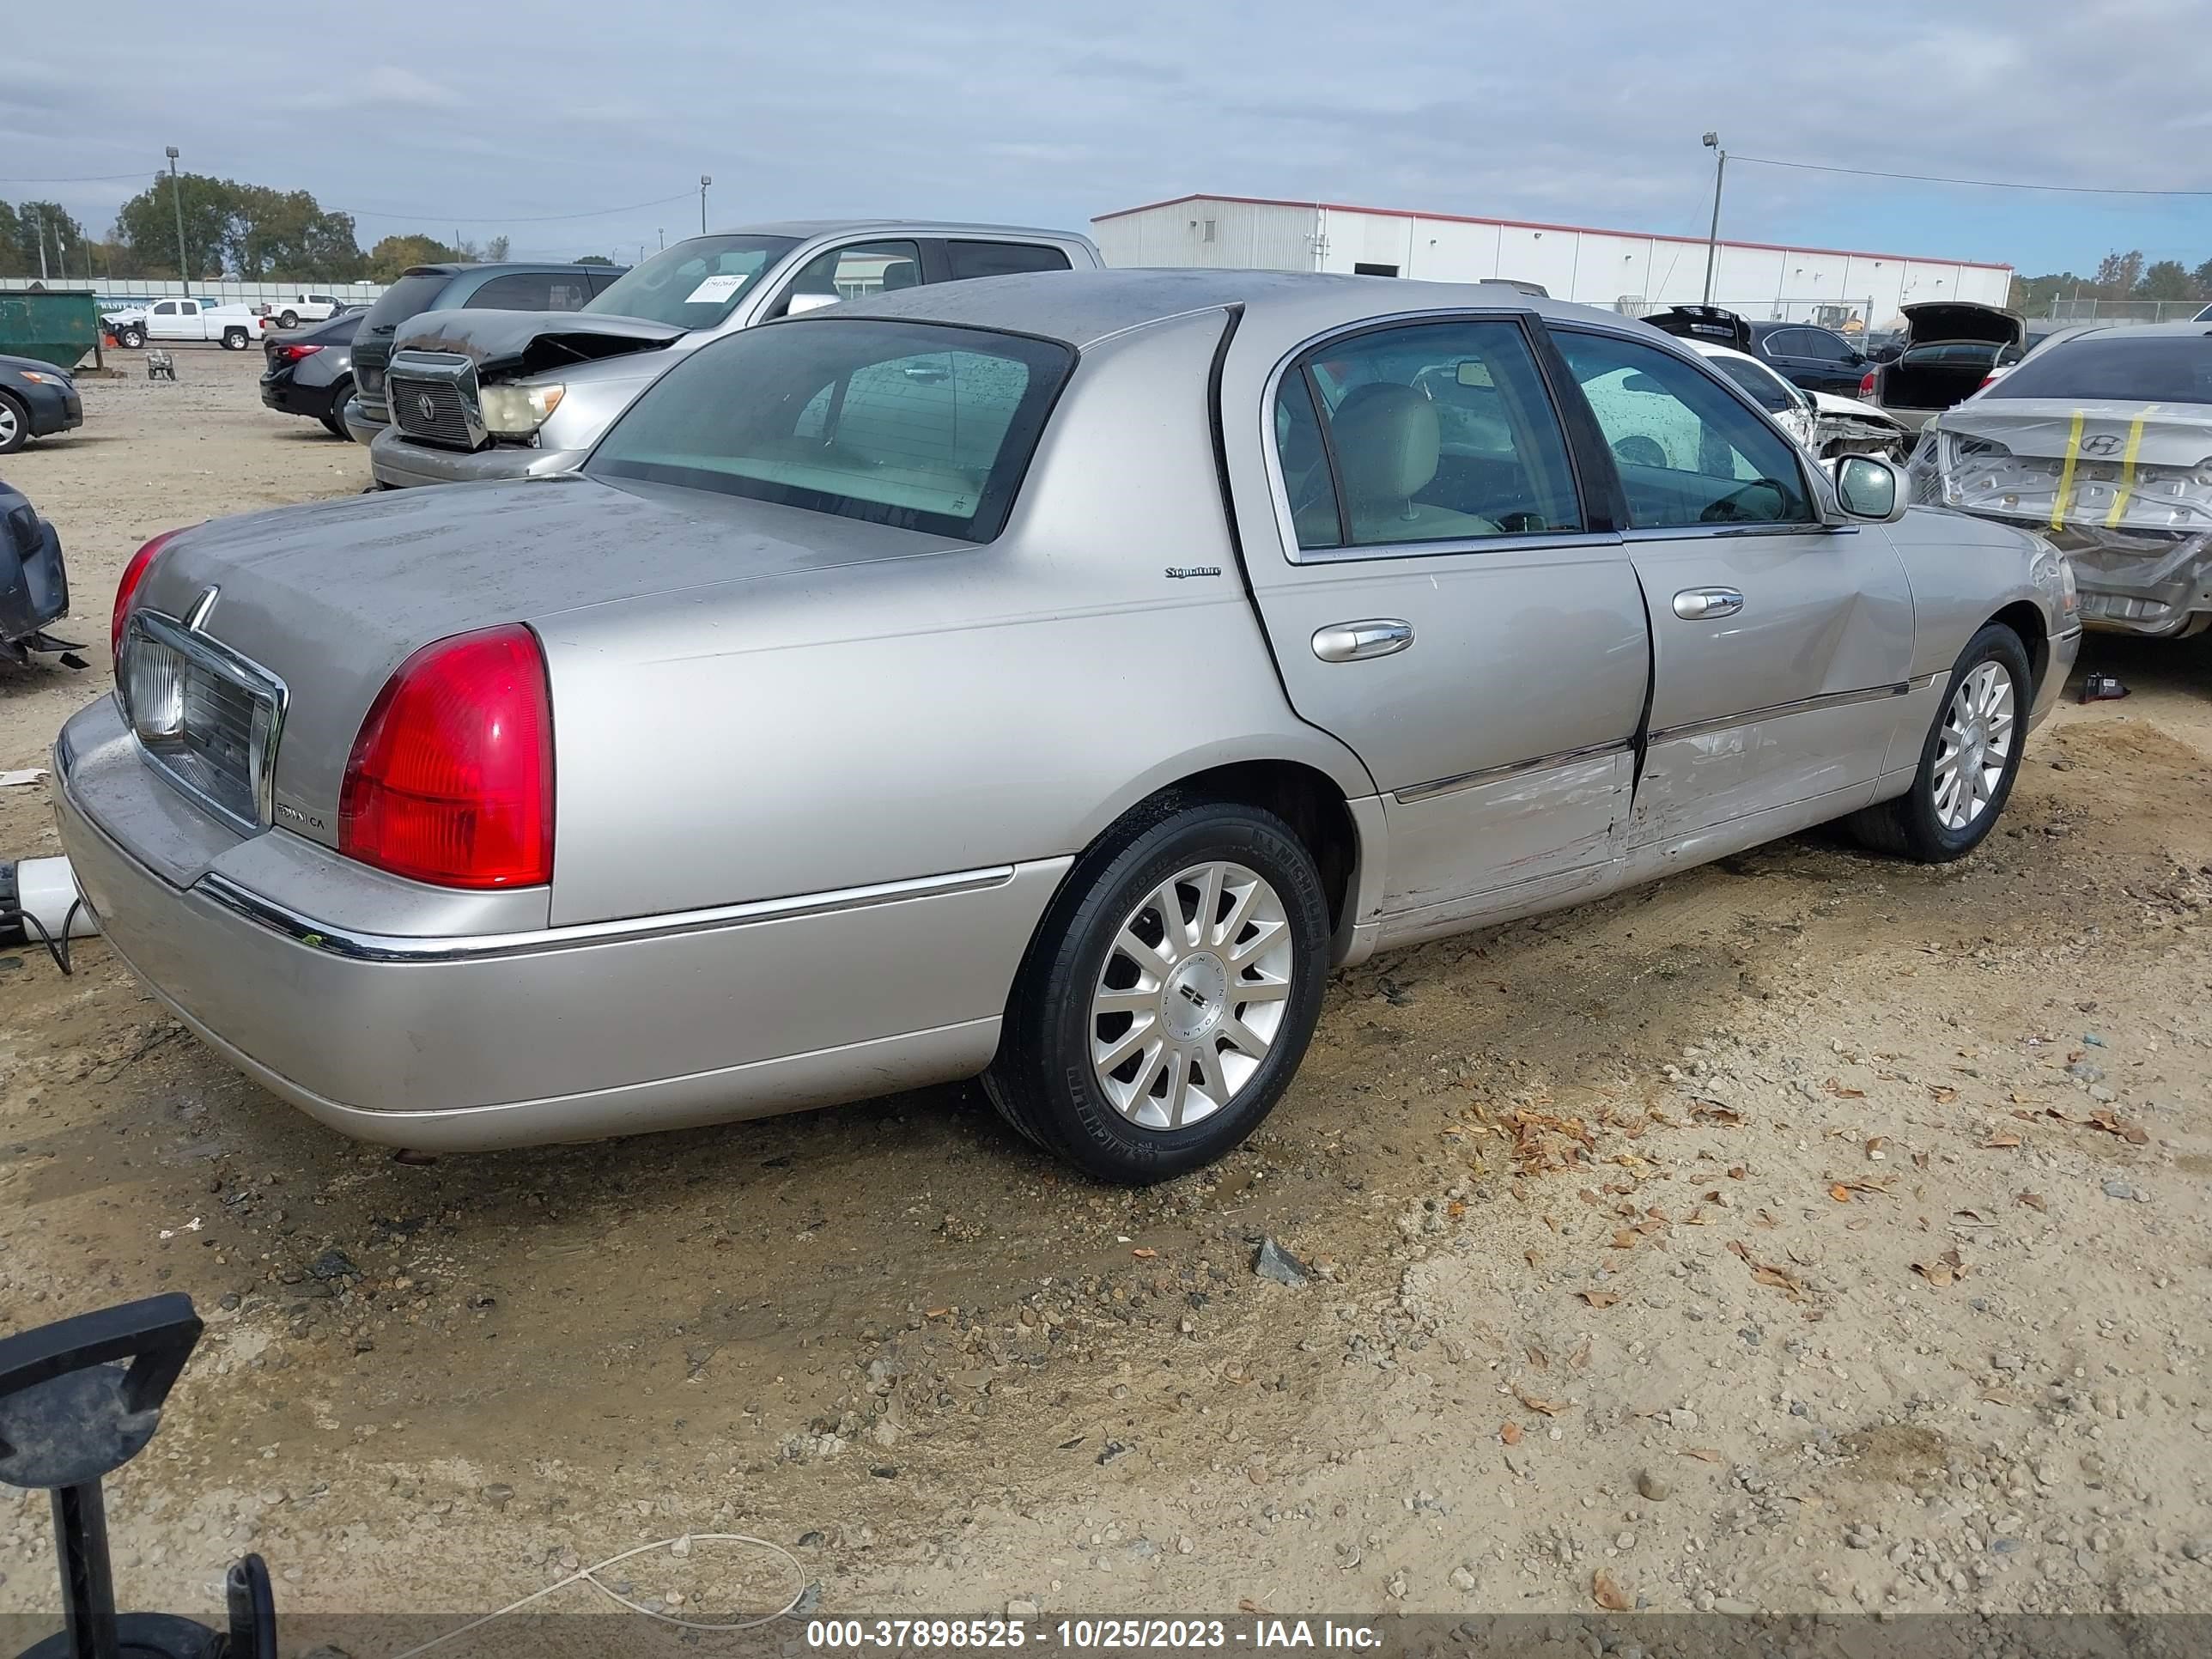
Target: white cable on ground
column 585, row 1576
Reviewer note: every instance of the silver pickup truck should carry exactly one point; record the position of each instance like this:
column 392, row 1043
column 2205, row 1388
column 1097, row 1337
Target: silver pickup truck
column 494, row 394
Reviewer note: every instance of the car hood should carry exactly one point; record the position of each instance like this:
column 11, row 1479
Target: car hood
column 1961, row 320
column 38, row 364
column 531, row 342
column 333, row 596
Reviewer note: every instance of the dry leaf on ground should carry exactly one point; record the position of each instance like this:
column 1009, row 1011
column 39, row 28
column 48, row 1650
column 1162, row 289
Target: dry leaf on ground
column 1608, row 1594
column 2034, row 1201
column 1511, row 1434
column 1765, row 1272
column 1536, row 1402
column 1599, row 1299
column 1946, row 1269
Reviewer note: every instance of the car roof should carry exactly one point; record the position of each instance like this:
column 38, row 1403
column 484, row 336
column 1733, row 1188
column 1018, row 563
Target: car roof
column 1083, row 307
column 805, row 229
column 2195, row 328
column 502, row 268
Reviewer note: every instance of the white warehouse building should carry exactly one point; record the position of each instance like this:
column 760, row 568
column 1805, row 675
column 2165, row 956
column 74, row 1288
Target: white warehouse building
column 1626, row 271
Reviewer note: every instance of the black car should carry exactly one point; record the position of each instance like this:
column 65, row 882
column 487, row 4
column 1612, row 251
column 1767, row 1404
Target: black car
column 36, row 401
column 1817, row 359
column 310, row 371
column 1813, row 359
column 33, row 585
column 446, row 288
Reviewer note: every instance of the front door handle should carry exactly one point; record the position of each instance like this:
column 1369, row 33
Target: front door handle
column 1702, row 604
column 1355, row 642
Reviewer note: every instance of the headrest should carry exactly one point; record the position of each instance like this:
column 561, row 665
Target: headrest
column 1386, row 442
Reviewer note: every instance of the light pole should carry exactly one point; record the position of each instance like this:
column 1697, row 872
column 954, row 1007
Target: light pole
column 704, row 180
column 1712, row 238
column 177, row 196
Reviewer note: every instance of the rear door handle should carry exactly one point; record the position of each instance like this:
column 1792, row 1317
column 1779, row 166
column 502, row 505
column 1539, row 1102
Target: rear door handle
column 1355, row 642
column 1701, row 604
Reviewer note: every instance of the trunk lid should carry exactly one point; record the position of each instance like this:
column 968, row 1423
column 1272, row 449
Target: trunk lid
column 1703, row 323
column 1961, row 320
column 2137, row 467
column 331, row 597
column 512, row 343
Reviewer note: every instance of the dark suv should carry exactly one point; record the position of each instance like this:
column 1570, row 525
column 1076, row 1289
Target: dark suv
column 446, row 288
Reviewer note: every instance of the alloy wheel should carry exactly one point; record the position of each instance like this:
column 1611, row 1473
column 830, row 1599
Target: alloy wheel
column 1191, row 995
column 1976, row 745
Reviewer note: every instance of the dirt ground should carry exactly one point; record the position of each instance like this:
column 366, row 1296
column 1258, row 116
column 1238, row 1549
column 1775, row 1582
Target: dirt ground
column 1806, row 1232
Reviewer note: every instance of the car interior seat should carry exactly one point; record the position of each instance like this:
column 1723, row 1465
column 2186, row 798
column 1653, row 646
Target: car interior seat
column 1387, row 445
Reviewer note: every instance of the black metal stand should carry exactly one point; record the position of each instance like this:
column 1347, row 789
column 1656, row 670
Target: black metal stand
column 72, row 1411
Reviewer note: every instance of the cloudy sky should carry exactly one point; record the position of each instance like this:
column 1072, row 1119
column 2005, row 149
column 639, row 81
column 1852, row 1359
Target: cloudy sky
column 492, row 119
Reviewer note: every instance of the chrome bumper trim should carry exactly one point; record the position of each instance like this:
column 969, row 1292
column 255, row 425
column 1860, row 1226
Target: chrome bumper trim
column 390, row 947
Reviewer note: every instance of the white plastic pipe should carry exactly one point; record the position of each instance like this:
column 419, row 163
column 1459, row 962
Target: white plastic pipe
column 45, row 889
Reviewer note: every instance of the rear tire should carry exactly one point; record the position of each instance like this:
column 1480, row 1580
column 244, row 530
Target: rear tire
column 290, row 319
column 1969, row 761
column 1197, row 1063
column 14, row 423
column 334, row 423
column 234, row 339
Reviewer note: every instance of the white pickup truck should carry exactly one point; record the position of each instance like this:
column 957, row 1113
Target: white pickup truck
column 295, row 309
column 235, row 327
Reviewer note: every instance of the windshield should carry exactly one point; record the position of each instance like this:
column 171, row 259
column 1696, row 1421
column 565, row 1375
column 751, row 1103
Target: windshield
column 919, row 425
column 695, row 284
column 2118, row 366
column 1769, row 393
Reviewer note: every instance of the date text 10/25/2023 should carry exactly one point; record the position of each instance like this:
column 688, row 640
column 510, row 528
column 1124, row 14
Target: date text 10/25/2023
column 1089, row 1635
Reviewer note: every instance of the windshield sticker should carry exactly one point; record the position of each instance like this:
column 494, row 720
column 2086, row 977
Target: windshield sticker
column 714, row 290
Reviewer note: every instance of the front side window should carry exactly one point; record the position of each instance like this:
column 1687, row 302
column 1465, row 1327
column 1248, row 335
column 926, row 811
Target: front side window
column 166, row 308
column 967, row 260
column 919, row 425
column 695, row 284
column 1687, row 452
column 1434, row 432
column 1826, row 347
column 854, row 273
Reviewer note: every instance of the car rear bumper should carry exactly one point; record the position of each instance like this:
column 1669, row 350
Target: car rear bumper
column 398, row 462
column 289, row 396
column 472, row 1041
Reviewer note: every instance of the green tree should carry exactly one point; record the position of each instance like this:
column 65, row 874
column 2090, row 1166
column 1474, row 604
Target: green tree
column 2119, row 273
column 21, row 229
column 2169, row 279
column 287, row 234
column 591, row 259
column 2202, row 277
column 147, row 226
column 392, row 256
column 496, row 250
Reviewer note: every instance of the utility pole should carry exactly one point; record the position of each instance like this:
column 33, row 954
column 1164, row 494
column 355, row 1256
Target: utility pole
column 1712, row 142
column 704, row 180
column 664, row 237
column 42, row 245
column 177, row 196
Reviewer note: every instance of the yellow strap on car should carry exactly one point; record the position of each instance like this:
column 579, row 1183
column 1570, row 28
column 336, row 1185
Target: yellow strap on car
column 2066, row 474
column 2128, row 465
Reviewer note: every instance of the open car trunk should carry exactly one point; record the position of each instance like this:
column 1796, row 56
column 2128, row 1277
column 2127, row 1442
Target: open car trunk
column 1949, row 347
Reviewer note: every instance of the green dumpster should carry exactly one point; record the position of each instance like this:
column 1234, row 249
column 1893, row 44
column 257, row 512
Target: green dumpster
column 57, row 325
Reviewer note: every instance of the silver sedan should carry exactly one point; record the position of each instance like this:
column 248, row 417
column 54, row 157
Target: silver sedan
column 1043, row 676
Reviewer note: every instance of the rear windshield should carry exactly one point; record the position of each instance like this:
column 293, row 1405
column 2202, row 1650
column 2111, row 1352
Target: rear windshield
column 2119, row 366
column 919, row 425
column 694, row 284
column 410, row 296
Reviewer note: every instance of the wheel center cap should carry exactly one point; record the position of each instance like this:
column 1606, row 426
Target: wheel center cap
column 1195, row 997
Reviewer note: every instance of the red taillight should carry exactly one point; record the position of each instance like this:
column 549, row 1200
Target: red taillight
column 451, row 780
column 293, row 353
column 1866, row 384
column 125, row 590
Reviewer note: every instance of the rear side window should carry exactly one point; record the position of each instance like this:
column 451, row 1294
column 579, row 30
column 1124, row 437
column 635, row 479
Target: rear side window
column 1688, row 454
column 2117, row 366
column 532, row 290
column 919, row 425
column 411, row 296
column 1434, row 432
column 1769, row 393
column 968, row 259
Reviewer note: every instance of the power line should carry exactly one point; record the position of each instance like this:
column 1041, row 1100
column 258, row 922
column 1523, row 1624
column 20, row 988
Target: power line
column 97, row 178
column 515, row 219
column 1984, row 184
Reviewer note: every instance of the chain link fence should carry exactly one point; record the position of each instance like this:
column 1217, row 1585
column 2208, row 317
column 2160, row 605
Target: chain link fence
column 2126, row 311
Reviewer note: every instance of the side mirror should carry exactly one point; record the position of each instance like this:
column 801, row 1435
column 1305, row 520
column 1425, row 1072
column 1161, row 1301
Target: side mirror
column 801, row 304
column 1868, row 487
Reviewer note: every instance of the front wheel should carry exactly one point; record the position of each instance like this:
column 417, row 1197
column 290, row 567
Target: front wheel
column 1969, row 761
column 234, row 339
column 133, row 338
column 15, row 424
column 1169, row 994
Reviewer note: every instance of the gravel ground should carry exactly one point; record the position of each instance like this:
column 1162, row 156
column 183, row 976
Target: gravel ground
column 1805, row 1233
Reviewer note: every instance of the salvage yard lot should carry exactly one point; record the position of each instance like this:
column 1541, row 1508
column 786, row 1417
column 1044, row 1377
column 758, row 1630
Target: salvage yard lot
column 1809, row 1231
